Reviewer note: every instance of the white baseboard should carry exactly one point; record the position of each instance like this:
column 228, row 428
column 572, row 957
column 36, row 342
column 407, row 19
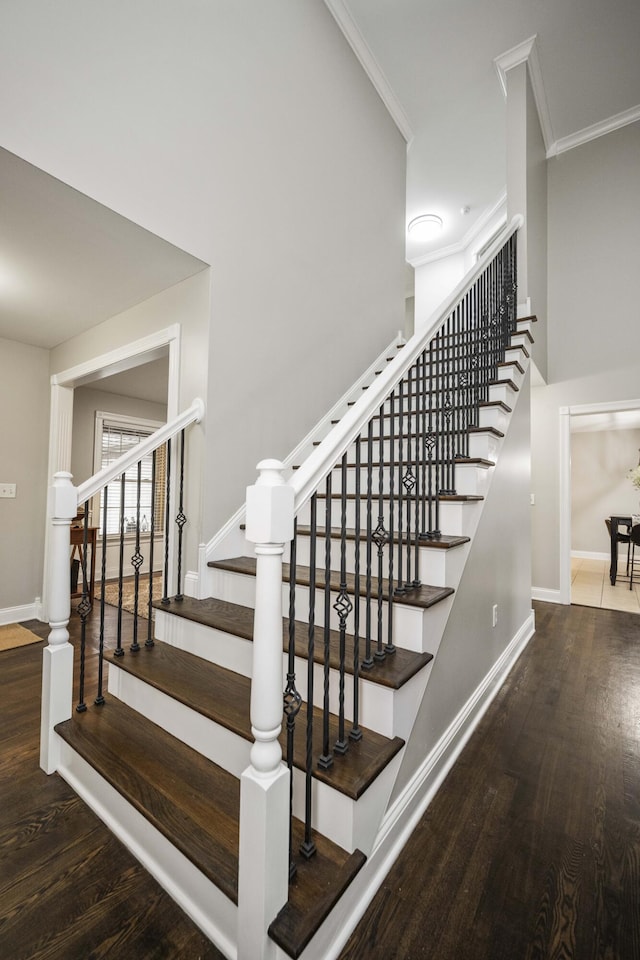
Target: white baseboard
column 591, row 555
column 29, row 611
column 545, row 594
column 406, row 811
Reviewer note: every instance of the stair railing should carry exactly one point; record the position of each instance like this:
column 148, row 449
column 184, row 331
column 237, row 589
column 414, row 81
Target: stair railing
column 66, row 501
column 363, row 502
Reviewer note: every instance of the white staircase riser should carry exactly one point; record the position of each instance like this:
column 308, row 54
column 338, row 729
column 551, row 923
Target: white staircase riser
column 472, row 476
column 216, row 646
column 387, row 711
column 512, row 373
column 408, row 620
column 454, row 515
column 435, row 566
column 484, row 445
column 231, row 752
column 353, row 824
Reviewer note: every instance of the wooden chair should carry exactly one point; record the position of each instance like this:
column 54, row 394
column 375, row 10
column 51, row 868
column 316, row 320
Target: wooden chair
column 621, row 538
column 635, row 541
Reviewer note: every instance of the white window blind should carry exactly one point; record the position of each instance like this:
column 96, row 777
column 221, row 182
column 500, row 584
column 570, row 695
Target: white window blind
column 115, row 436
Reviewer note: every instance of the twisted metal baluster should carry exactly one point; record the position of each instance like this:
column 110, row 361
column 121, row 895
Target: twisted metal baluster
column 149, row 642
column 367, row 663
column 292, row 699
column 119, row 652
column 356, row 733
column 326, row 759
column 343, row 607
column 180, row 521
column 103, row 576
column 136, row 561
column 308, row 847
column 167, row 516
column 84, row 609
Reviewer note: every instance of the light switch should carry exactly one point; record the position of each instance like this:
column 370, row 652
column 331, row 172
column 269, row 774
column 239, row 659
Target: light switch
column 7, row 489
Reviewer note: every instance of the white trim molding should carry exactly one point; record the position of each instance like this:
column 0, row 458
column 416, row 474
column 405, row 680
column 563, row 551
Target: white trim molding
column 594, row 131
column 546, row 595
column 371, row 67
column 28, row 611
column 527, row 52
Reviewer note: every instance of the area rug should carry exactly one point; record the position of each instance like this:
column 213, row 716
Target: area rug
column 13, row 635
column 128, row 594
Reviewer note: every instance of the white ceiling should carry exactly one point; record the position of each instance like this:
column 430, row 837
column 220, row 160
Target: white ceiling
column 437, row 57
column 67, row 263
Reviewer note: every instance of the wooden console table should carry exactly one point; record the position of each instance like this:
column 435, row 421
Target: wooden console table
column 77, row 546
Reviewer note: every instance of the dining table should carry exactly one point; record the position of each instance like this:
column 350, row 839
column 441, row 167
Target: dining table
column 621, row 520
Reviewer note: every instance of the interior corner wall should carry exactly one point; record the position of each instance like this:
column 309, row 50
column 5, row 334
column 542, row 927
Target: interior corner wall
column 600, row 486
column 24, row 429
column 527, row 195
column 593, row 310
column 249, row 136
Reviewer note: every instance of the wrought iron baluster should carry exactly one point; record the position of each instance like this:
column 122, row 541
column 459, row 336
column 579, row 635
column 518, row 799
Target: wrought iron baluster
column 136, row 562
column 381, row 536
column 308, row 847
column 389, row 647
column 367, row 663
column 292, row 699
column 399, row 587
column 326, row 758
column 356, row 733
column 180, row 521
column 119, row 652
column 103, row 579
column 149, row 642
column 408, row 480
column 343, row 607
column 84, row 609
column 167, row 516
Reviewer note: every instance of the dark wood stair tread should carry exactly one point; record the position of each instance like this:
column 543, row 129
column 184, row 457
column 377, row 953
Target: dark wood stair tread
column 424, row 596
column 224, row 697
column 316, row 888
column 191, row 801
column 237, row 620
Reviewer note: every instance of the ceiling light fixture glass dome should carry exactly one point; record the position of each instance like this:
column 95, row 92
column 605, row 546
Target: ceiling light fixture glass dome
column 425, row 226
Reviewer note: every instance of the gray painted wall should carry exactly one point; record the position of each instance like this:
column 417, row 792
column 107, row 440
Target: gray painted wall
column 252, row 139
column 594, row 311
column 24, row 446
column 600, row 462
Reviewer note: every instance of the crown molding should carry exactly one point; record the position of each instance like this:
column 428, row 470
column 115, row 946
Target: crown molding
column 372, row 68
column 527, row 52
column 594, row 131
column 497, row 213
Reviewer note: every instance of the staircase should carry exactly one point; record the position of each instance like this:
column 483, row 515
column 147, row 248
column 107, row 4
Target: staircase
column 368, row 582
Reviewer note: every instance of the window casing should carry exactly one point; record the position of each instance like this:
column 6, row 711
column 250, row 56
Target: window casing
column 117, row 434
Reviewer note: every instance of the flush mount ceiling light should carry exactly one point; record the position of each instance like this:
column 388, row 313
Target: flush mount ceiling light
column 425, row 226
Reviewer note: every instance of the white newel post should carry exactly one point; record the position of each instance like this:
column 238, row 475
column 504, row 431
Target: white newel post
column 57, row 663
column 264, row 791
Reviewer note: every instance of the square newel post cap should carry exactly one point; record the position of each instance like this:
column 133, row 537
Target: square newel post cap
column 270, row 506
column 64, row 496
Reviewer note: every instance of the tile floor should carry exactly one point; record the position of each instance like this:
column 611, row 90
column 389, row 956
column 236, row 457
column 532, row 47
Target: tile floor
column 590, row 585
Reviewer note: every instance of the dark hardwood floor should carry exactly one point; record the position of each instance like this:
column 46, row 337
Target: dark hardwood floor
column 69, row 890
column 530, row 851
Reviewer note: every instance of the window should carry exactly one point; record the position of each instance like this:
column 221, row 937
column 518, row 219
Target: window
column 115, row 435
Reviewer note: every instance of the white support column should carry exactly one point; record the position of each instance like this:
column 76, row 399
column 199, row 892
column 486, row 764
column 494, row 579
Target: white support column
column 263, row 874
column 57, row 663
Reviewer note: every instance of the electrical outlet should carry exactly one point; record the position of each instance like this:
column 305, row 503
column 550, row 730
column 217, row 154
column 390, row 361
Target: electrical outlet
column 494, row 614
column 7, row 489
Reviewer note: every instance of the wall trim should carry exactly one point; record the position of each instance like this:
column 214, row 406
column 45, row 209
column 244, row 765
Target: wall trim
column 405, row 812
column 590, row 555
column 371, row 67
column 601, row 129
column 527, row 52
column 547, row 595
column 27, row 611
